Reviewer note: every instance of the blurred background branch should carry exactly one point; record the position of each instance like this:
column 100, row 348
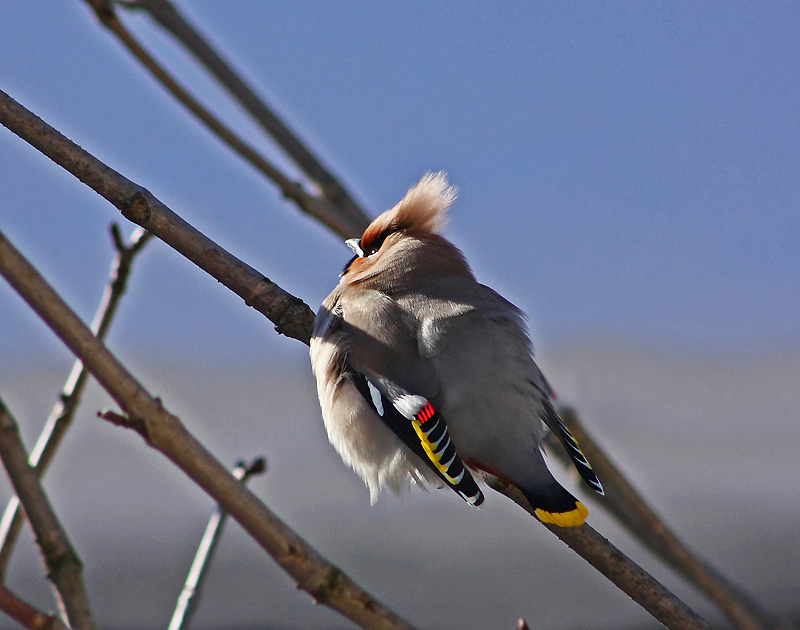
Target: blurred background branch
column 64, row 569
column 625, row 574
column 634, row 513
column 61, row 417
column 326, row 583
column 189, row 598
column 168, row 16
column 25, row 614
column 347, row 221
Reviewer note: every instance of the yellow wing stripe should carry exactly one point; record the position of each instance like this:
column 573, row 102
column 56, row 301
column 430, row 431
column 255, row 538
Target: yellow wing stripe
column 428, row 448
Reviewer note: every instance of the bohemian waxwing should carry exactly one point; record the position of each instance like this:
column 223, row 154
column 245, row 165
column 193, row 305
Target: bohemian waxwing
column 424, row 375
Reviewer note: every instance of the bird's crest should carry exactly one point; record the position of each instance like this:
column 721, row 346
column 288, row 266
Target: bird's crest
column 425, row 205
column 423, row 209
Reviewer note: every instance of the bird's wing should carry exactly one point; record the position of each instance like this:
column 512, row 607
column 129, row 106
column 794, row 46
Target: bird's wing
column 415, row 421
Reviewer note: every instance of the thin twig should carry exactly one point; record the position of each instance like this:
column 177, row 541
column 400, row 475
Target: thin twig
column 62, row 414
column 634, row 581
column 326, row 583
column 25, row 614
column 320, row 209
column 635, row 514
column 168, row 16
column 291, row 316
column 63, row 564
column 190, row 595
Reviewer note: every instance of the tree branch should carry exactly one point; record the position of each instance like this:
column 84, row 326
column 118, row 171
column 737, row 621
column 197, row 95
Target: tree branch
column 25, row 614
column 163, row 431
column 171, row 19
column 320, row 209
column 62, row 414
column 63, row 564
column 631, row 510
column 630, row 578
column 291, row 316
column 190, row 595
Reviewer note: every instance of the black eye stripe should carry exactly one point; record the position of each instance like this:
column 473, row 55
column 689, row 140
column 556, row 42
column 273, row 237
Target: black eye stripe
column 375, row 244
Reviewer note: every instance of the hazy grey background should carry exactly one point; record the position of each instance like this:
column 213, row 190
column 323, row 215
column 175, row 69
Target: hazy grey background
column 628, row 177
column 712, row 442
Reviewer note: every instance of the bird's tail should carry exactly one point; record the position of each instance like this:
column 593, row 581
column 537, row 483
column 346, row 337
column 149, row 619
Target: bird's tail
column 574, row 451
column 553, row 504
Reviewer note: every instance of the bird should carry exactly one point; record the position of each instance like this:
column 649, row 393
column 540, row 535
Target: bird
column 426, row 376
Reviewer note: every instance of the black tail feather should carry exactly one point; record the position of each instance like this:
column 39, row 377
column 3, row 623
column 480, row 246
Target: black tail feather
column 579, row 460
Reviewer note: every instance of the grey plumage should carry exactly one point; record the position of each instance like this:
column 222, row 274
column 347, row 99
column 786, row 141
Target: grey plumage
column 409, row 317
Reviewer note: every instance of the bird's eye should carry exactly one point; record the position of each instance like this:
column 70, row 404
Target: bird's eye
column 374, row 244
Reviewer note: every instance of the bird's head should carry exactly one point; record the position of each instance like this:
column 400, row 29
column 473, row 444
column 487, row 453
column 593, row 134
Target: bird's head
column 396, row 239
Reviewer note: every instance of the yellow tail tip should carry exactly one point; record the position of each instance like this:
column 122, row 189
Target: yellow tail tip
column 573, row 518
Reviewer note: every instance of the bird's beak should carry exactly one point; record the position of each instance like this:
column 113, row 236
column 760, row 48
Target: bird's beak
column 355, row 245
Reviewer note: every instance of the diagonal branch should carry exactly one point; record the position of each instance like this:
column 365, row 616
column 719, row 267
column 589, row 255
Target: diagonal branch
column 291, row 316
column 63, row 564
column 634, row 513
column 320, row 209
column 630, row 578
column 163, row 431
column 173, row 21
column 192, row 588
column 25, row 614
column 62, row 414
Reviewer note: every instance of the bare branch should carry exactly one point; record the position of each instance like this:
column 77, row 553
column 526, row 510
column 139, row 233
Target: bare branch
column 323, row 581
column 633, row 512
column 22, row 612
column 63, row 564
column 320, row 209
column 62, row 414
column 190, row 595
column 171, row 19
column 291, row 316
column 634, row 581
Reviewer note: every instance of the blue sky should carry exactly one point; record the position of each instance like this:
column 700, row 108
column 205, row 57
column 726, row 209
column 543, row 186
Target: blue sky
column 625, row 169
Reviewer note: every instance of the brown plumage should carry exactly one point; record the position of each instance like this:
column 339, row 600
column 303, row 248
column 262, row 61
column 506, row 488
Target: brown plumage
column 425, row 375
